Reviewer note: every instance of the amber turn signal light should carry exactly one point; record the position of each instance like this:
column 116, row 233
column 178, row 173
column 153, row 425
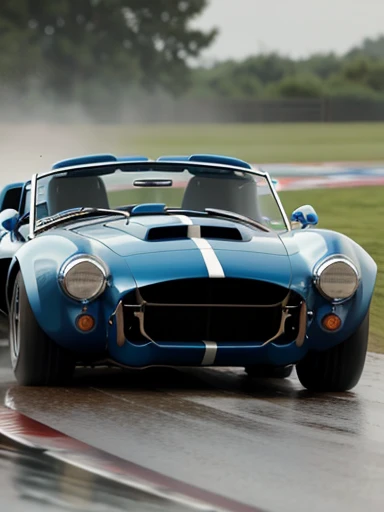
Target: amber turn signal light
column 331, row 322
column 85, row 323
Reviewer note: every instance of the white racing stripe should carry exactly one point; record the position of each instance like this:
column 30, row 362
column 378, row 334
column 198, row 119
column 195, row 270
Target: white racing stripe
column 214, row 269
column 212, row 263
column 184, row 219
column 210, row 353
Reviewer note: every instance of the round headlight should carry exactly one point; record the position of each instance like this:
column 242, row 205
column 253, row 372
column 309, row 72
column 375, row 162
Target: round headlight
column 83, row 278
column 337, row 279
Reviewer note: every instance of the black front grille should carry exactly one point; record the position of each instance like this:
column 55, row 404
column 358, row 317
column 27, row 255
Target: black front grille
column 220, row 310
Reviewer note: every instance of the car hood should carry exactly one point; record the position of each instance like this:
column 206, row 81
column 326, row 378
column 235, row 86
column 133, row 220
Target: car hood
column 158, row 248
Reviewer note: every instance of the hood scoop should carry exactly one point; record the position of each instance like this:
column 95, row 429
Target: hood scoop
column 177, row 232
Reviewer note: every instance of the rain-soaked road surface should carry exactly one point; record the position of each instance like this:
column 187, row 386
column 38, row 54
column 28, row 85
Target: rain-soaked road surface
column 31, row 481
column 270, row 444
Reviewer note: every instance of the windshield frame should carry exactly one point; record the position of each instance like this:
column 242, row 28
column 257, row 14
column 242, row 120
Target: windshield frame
column 147, row 163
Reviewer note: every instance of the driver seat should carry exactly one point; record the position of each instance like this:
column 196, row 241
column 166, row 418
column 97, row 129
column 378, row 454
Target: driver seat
column 237, row 195
column 65, row 193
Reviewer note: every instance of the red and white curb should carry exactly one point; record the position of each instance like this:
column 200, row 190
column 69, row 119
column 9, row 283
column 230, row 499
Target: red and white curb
column 29, row 433
column 340, row 181
column 296, row 176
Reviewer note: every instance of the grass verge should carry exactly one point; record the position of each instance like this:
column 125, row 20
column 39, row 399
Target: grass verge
column 298, row 142
column 256, row 143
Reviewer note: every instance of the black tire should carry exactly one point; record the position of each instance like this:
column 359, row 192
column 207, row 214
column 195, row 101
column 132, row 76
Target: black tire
column 272, row 372
column 36, row 359
column 340, row 367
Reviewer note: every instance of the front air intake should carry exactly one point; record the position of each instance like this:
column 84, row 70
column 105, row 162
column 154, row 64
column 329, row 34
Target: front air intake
column 220, row 310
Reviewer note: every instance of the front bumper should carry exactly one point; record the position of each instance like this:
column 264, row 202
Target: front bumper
column 195, row 354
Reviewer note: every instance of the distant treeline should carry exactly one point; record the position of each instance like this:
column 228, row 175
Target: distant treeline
column 107, row 58
column 359, row 74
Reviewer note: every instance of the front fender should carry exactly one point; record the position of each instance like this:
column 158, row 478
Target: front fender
column 306, row 249
column 40, row 261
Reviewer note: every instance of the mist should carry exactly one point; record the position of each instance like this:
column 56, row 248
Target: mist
column 36, row 132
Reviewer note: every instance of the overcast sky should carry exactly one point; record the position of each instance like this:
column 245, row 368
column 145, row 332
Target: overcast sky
column 292, row 27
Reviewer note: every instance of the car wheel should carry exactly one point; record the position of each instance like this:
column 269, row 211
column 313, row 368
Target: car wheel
column 338, row 368
column 36, row 359
column 266, row 371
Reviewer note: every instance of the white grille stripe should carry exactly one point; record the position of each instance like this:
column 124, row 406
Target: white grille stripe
column 210, row 353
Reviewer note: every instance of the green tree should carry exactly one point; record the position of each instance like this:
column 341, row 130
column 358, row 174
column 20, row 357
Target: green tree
column 268, row 67
column 300, row 86
column 66, row 43
column 358, row 74
column 375, row 76
column 365, row 72
column 244, row 79
column 321, row 65
column 350, row 91
column 227, row 79
column 373, row 48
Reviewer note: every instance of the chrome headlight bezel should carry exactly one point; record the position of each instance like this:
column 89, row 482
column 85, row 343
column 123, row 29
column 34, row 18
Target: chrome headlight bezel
column 71, row 264
column 325, row 264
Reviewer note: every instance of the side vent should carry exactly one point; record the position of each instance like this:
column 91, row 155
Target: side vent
column 174, row 232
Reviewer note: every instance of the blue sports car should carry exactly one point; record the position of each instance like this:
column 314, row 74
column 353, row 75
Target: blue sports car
column 179, row 261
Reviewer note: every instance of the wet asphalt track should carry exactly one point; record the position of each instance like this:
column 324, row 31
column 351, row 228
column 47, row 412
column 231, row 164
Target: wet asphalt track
column 270, row 444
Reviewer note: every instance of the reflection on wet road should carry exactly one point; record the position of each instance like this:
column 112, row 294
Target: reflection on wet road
column 32, row 483
column 266, row 443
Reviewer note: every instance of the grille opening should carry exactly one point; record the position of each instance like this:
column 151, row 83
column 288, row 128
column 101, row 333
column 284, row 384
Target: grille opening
column 172, row 232
column 182, row 322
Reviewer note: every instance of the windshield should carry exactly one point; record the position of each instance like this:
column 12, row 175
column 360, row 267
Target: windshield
column 184, row 186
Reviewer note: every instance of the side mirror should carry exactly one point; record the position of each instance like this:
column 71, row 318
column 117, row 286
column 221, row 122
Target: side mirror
column 304, row 216
column 8, row 219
